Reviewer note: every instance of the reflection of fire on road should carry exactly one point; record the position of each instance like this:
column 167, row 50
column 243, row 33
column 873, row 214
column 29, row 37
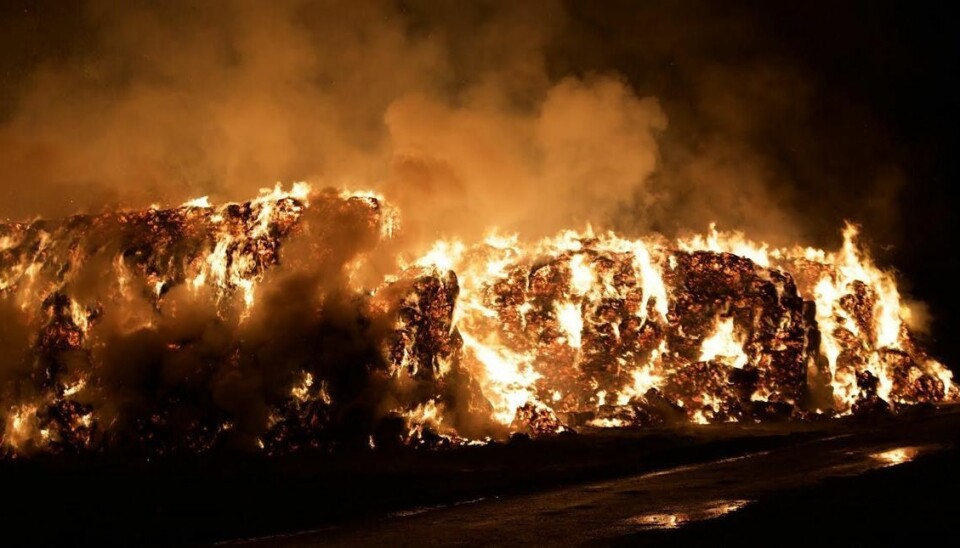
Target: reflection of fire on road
column 681, row 517
column 246, row 325
column 896, row 456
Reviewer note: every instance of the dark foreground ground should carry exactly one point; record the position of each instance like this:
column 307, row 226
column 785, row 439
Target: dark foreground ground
column 860, row 482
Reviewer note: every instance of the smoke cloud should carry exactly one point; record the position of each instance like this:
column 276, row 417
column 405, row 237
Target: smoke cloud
column 526, row 116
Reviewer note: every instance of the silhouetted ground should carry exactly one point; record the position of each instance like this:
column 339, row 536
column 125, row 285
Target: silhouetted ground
column 596, row 487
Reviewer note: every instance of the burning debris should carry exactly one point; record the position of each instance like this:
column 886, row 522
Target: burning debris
column 200, row 327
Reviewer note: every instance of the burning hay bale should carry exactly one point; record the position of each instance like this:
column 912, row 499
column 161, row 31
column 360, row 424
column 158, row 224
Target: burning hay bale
column 595, row 328
column 537, row 420
column 144, row 339
column 195, row 328
column 425, row 343
column 719, row 299
column 589, row 343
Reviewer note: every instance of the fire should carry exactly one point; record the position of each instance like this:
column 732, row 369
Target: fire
column 443, row 256
column 597, row 323
column 571, row 322
column 424, row 418
column 21, row 426
column 202, row 202
column 832, row 293
column 236, row 260
column 302, row 391
column 729, row 242
column 390, row 216
column 473, row 340
column 507, row 377
column 724, row 345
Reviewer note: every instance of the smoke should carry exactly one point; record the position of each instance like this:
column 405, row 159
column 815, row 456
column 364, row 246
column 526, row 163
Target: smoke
column 582, row 152
column 455, row 113
column 528, row 116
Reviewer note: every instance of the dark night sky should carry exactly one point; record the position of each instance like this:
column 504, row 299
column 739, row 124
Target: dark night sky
column 850, row 108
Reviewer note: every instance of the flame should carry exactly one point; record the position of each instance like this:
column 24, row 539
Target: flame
column 729, row 242
column 21, row 426
column 442, row 256
column 421, row 419
column 724, row 346
column 390, row 217
column 571, row 322
column 201, row 202
column 850, row 270
column 507, row 377
column 301, row 391
column 233, row 262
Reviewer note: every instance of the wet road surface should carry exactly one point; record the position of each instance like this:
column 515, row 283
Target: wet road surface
column 640, row 509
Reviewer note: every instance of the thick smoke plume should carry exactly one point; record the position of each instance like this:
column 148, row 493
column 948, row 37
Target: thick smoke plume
column 450, row 110
column 528, row 116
